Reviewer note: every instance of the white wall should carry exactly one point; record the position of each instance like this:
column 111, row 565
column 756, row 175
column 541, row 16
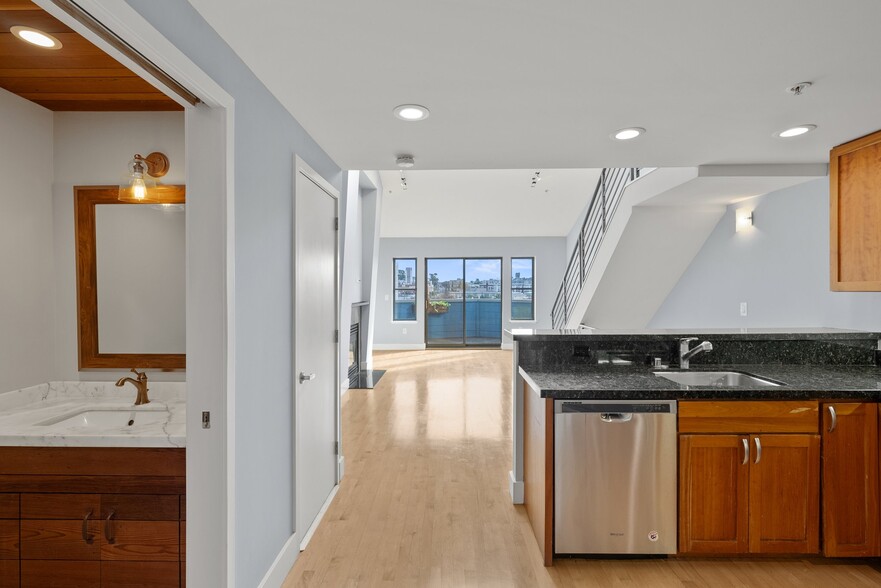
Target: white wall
column 549, row 253
column 93, row 149
column 780, row 268
column 26, row 265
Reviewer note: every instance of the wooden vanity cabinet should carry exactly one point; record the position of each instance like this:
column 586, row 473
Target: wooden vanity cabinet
column 749, row 477
column 88, row 518
column 9, row 541
column 850, row 480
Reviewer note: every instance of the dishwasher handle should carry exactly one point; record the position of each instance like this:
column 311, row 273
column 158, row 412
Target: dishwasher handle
column 615, row 417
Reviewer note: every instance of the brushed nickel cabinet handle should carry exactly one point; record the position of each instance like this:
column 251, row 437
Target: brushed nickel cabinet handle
column 87, row 537
column 108, row 527
column 758, row 451
column 745, row 451
column 834, row 416
column 304, row 377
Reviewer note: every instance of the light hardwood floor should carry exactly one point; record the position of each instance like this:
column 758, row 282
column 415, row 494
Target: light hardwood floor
column 425, row 501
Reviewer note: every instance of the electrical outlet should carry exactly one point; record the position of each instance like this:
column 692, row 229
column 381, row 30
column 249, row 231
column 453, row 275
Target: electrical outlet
column 404, row 330
column 743, row 310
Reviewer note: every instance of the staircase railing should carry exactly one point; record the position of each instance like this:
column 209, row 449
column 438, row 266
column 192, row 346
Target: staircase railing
column 603, row 203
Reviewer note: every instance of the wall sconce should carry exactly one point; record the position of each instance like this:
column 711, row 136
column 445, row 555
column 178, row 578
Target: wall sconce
column 744, row 220
column 139, row 186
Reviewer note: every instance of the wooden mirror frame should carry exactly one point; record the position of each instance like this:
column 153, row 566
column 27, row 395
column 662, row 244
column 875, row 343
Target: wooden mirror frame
column 85, row 199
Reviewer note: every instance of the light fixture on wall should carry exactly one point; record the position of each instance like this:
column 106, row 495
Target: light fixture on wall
column 744, row 219
column 139, row 187
column 403, row 181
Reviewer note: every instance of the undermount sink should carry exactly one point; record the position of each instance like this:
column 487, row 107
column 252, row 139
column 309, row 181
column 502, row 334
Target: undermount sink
column 718, row 379
column 94, row 418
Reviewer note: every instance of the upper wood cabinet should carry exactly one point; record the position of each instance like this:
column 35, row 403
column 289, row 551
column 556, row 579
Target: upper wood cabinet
column 855, row 215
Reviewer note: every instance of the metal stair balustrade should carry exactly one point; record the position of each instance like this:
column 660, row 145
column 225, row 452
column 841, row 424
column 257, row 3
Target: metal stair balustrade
column 603, row 204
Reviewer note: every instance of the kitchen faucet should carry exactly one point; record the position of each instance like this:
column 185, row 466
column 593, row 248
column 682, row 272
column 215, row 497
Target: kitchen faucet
column 140, row 384
column 686, row 354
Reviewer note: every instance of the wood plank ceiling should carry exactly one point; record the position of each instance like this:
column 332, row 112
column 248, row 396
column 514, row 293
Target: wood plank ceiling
column 79, row 76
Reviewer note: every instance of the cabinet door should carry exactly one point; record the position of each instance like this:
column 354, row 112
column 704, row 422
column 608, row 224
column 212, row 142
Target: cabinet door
column 850, row 480
column 140, row 527
column 713, row 493
column 59, row 526
column 784, row 494
column 9, row 573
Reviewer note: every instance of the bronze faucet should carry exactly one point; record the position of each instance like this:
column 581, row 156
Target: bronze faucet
column 140, row 384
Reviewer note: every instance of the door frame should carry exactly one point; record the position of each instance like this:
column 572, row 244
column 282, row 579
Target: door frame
column 464, row 307
column 210, row 306
column 301, row 168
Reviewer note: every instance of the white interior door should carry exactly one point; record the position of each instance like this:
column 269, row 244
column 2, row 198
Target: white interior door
column 315, row 315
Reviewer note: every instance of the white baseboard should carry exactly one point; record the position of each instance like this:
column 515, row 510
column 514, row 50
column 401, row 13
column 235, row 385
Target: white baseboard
column 507, row 345
column 398, row 346
column 308, row 536
column 516, row 489
column 282, row 565
column 344, row 387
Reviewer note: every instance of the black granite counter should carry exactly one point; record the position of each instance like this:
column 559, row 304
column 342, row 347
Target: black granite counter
column 612, row 382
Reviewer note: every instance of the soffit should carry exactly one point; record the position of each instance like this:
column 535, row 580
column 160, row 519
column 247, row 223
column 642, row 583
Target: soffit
column 79, row 76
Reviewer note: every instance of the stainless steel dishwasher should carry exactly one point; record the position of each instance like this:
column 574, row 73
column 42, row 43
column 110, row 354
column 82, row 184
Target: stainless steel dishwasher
column 615, row 477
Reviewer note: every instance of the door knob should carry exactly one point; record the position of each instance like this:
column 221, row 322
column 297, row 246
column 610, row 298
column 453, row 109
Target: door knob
column 304, row 377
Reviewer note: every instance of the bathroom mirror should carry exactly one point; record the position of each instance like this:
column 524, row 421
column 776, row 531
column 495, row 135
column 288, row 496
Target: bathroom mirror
column 131, row 274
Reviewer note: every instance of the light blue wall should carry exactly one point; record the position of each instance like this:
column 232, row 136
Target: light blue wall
column 780, row 268
column 266, row 139
column 549, row 253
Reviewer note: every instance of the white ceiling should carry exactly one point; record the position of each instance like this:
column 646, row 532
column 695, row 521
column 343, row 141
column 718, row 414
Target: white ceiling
column 525, row 84
column 484, row 203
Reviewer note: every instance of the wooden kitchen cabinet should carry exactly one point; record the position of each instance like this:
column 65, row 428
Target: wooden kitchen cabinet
column 855, row 215
column 749, row 491
column 850, row 480
column 713, row 494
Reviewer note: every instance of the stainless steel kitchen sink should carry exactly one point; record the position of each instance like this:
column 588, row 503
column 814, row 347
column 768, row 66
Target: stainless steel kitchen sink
column 719, row 379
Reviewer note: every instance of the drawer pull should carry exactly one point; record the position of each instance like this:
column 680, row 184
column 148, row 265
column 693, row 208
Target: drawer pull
column 834, row 416
column 87, row 537
column 745, row 451
column 758, row 451
column 108, row 527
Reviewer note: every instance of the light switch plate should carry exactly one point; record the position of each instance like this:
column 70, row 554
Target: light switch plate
column 743, row 309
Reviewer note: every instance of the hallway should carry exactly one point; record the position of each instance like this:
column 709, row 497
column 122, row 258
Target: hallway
column 425, row 502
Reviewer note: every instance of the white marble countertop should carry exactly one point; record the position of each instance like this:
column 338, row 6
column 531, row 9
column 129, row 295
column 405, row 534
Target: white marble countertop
column 93, row 414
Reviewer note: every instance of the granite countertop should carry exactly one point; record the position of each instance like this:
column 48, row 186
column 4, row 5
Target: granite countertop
column 639, row 383
column 745, row 334
column 49, row 415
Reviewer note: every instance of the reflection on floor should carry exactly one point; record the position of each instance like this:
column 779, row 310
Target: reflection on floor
column 365, row 379
column 425, row 498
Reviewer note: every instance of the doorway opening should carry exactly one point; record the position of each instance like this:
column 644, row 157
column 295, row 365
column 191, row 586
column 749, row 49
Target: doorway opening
column 463, row 302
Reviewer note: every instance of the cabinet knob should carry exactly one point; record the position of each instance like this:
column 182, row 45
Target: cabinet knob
column 745, row 451
column 758, row 451
column 834, row 418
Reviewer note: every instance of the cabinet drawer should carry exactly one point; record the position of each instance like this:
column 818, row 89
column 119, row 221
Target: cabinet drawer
column 9, row 506
column 59, row 506
column 142, row 541
column 9, row 573
column 140, row 574
column 60, row 574
column 59, row 540
column 745, row 416
column 8, row 540
column 141, row 507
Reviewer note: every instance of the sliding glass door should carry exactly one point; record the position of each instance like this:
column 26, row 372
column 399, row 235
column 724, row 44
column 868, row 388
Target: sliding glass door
column 463, row 302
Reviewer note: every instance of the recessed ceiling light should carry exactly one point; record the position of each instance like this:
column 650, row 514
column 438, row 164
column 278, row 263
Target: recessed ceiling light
column 795, row 131
column 411, row 112
column 628, row 133
column 35, row 37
